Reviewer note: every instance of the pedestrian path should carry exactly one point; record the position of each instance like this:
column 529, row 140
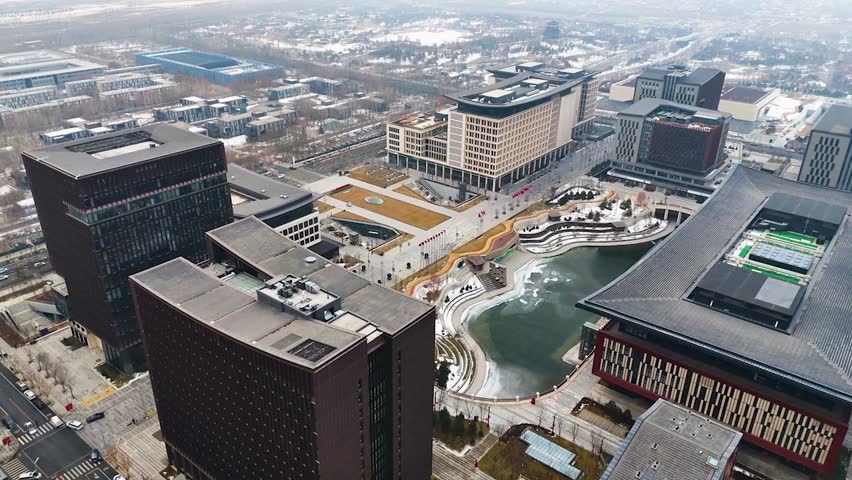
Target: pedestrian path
column 76, row 471
column 14, row 468
column 41, row 430
column 97, row 397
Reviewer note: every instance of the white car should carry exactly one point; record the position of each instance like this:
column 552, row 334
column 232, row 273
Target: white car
column 30, row 428
column 118, row 477
column 75, row 425
column 30, row 395
column 29, row 476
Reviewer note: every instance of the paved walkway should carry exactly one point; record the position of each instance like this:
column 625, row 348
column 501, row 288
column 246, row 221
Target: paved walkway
column 148, row 454
column 450, row 465
column 551, row 410
column 84, row 381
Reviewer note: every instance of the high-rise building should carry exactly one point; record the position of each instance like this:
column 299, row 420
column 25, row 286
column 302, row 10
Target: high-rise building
column 742, row 314
column 116, row 204
column 828, row 158
column 672, row 146
column 501, row 133
column 670, row 441
column 288, row 366
column 700, row 87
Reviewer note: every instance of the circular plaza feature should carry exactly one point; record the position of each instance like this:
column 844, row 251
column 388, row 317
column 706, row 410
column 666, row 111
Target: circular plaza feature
column 374, row 200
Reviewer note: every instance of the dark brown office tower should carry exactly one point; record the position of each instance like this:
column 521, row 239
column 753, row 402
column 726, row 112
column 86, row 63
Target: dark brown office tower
column 268, row 362
column 116, row 204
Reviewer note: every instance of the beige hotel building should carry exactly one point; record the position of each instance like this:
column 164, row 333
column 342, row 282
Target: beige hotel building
column 521, row 122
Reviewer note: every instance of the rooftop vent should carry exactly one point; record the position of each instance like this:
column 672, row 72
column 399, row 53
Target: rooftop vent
column 311, row 350
column 310, row 259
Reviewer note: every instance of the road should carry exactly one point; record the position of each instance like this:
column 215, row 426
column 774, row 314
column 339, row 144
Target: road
column 55, row 452
column 24, row 268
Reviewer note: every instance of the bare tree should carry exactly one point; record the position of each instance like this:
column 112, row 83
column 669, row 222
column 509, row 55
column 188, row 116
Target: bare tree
column 540, row 413
column 42, row 359
column 574, row 429
column 50, row 367
column 558, row 421
column 30, row 355
column 60, row 375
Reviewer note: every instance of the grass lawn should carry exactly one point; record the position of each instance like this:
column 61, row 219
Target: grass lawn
column 351, row 216
column 409, row 193
column 387, row 246
column 794, row 238
column 458, row 443
column 478, row 243
column 507, row 460
column 744, row 251
column 378, row 176
column 324, row 207
column 392, row 208
column 770, row 273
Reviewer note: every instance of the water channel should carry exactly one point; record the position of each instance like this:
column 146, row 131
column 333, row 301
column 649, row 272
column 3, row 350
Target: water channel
column 524, row 333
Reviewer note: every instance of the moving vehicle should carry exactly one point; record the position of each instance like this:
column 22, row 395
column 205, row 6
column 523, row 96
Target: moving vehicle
column 95, row 417
column 4, row 277
column 30, row 428
column 39, row 264
column 74, row 425
column 118, row 477
column 9, row 422
column 39, row 404
column 56, row 422
column 30, row 395
column 29, row 476
column 21, row 386
column 95, row 456
column 3, row 269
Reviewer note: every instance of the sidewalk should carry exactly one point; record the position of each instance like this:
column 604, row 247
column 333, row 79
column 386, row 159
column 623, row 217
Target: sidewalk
column 84, row 382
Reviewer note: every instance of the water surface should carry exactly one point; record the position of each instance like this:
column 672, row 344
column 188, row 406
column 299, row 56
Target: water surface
column 525, row 333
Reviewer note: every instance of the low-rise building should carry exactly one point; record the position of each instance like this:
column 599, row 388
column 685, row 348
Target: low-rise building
column 289, row 210
column 287, row 91
column 699, row 87
column 746, row 103
column 265, row 126
column 64, row 135
column 670, row 441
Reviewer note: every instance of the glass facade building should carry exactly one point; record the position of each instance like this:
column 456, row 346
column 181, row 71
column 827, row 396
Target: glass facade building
column 120, row 204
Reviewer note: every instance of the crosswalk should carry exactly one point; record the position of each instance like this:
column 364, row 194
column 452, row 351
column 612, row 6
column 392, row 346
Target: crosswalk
column 76, row 471
column 14, row 468
column 40, row 430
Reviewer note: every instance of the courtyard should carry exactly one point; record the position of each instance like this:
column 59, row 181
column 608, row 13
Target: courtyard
column 390, row 207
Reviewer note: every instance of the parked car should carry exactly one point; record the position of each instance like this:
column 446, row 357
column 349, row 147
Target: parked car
column 4, row 277
column 29, row 476
column 39, row 404
column 95, row 417
column 21, row 386
column 39, row 264
column 9, row 422
column 55, row 421
column 75, row 425
column 30, row 428
column 95, row 456
column 29, row 394
column 118, row 477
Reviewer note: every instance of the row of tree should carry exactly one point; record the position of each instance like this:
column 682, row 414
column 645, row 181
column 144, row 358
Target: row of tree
column 446, row 424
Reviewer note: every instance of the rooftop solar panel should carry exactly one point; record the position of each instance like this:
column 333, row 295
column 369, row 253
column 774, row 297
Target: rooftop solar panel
column 781, row 257
column 311, row 350
column 551, row 454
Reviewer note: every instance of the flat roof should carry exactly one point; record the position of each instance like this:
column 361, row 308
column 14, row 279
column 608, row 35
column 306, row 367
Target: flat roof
column 697, row 76
column 239, row 315
column 265, row 197
column 114, row 151
column 745, row 95
column 229, row 308
column 557, row 86
column 647, row 106
column 40, row 63
column 672, row 442
column 653, row 293
column 275, row 254
column 836, row 120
